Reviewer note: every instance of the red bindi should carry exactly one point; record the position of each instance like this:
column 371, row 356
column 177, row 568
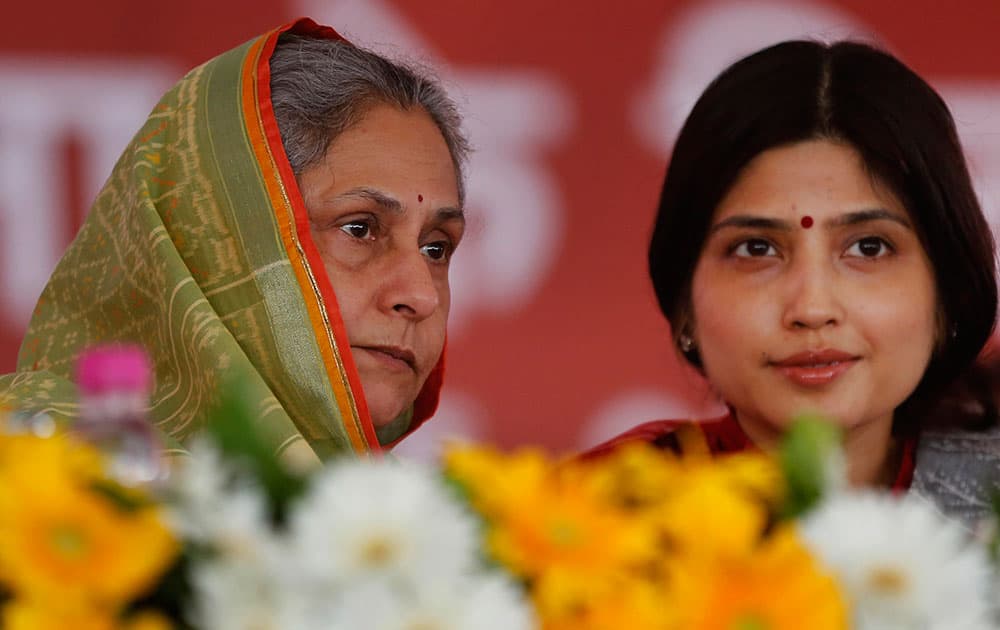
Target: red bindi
column 807, row 222
column 420, row 198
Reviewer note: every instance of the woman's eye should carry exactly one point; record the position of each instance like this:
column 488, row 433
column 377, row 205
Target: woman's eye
column 438, row 250
column 754, row 248
column 362, row 230
column 869, row 247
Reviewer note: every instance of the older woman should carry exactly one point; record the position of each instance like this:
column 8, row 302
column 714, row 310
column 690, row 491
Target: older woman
column 819, row 247
column 287, row 213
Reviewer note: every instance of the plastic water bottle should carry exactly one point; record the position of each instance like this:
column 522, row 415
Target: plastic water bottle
column 115, row 383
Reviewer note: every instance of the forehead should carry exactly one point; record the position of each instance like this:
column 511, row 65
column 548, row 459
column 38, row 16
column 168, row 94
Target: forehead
column 819, row 178
column 393, row 147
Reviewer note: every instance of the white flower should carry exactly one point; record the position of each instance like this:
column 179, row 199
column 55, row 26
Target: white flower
column 494, row 603
column 477, row 602
column 362, row 519
column 196, row 483
column 212, row 506
column 238, row 594
column 902, row 564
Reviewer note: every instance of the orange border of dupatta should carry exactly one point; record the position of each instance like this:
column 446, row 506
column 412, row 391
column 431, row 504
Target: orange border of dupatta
column 320, row 301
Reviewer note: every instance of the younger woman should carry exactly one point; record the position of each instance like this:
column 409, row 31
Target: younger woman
column 819, row 248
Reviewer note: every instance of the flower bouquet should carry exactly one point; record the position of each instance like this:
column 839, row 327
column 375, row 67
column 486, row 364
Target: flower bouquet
column 234, row 539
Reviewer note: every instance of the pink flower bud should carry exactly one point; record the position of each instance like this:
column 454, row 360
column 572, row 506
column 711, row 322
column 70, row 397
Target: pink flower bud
column 114, row 368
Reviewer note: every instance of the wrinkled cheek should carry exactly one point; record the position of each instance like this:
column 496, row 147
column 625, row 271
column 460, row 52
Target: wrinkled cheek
column 354, row 295
column 434, row 335
column 444, row 296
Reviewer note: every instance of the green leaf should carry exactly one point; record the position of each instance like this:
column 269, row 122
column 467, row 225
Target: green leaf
column 122, row 498
column 807, row 452
column 236, row 429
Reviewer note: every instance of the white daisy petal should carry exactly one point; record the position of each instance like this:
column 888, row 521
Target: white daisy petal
column 381, row 546
column 477, row 602
column 210, row 507
column 902, row 563
column 362, row 519
column 235, row 596
column 494, row 603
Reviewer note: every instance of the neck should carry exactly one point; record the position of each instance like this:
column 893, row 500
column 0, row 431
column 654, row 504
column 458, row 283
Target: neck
column 871, row 453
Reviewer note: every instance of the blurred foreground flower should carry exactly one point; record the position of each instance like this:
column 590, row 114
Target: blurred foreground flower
column 639, row 539
column 393, row 520
column 644, row 539
column 902, row 563
column 72, row 542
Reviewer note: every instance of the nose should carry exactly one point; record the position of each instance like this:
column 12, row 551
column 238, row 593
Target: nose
column 812, row 301
column 408, row 288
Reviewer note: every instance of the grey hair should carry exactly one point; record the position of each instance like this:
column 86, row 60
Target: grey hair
column 321, row 87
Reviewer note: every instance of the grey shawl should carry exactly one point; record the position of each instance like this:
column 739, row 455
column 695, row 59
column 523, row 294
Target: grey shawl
column 959, row 472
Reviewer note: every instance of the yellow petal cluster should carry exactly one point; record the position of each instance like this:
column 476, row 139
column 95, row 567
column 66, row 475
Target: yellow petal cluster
column 777, row 585
column 22, row 615
column 72, row 543
column 643, row 539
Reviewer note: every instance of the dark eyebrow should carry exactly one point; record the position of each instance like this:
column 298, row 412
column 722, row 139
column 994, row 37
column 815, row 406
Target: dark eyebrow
column 851, row 218
column 450, row 214
column 747, row 221
column 379, row 197
column 393, row 205
column 874, row 214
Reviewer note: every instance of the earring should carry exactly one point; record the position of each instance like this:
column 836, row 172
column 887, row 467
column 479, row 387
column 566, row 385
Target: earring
column 686, row 343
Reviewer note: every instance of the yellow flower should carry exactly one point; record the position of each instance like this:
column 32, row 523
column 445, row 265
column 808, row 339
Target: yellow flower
column 544, row 516
column 24, row 615
column 557, row 526
column 755, row 474
column 563, row 596
column 31, row 466
column 642, row 539
column 29, row 463
column 633, row 477
column 68, row 543
column 147, row 621
column 495, row 481
column 721, row 507
column 567, row 600
column 709, row 518
column 779, row 587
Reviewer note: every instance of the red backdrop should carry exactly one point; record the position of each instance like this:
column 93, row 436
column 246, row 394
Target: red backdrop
column 572, row 106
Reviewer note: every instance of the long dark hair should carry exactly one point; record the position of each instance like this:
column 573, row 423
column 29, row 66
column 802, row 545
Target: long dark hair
column 902, row 129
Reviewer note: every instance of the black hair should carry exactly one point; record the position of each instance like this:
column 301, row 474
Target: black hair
column 855, row 94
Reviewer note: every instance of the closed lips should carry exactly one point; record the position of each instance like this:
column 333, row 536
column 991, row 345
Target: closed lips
column 400, row 354
column 816, row 359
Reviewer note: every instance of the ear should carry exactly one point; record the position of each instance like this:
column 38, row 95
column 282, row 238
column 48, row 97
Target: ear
column 683, row 322
column 684, row 333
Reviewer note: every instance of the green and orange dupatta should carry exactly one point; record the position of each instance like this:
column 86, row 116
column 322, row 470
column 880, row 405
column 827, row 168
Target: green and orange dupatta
column 198, row 248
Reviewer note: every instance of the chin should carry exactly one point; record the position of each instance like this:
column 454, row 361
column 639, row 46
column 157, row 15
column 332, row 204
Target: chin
column 835, row 414
column 785, row 416
column 381, row 419
column 383, row 411
column 385, row 404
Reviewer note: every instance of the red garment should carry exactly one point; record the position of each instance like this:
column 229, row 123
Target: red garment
column 724, row 435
